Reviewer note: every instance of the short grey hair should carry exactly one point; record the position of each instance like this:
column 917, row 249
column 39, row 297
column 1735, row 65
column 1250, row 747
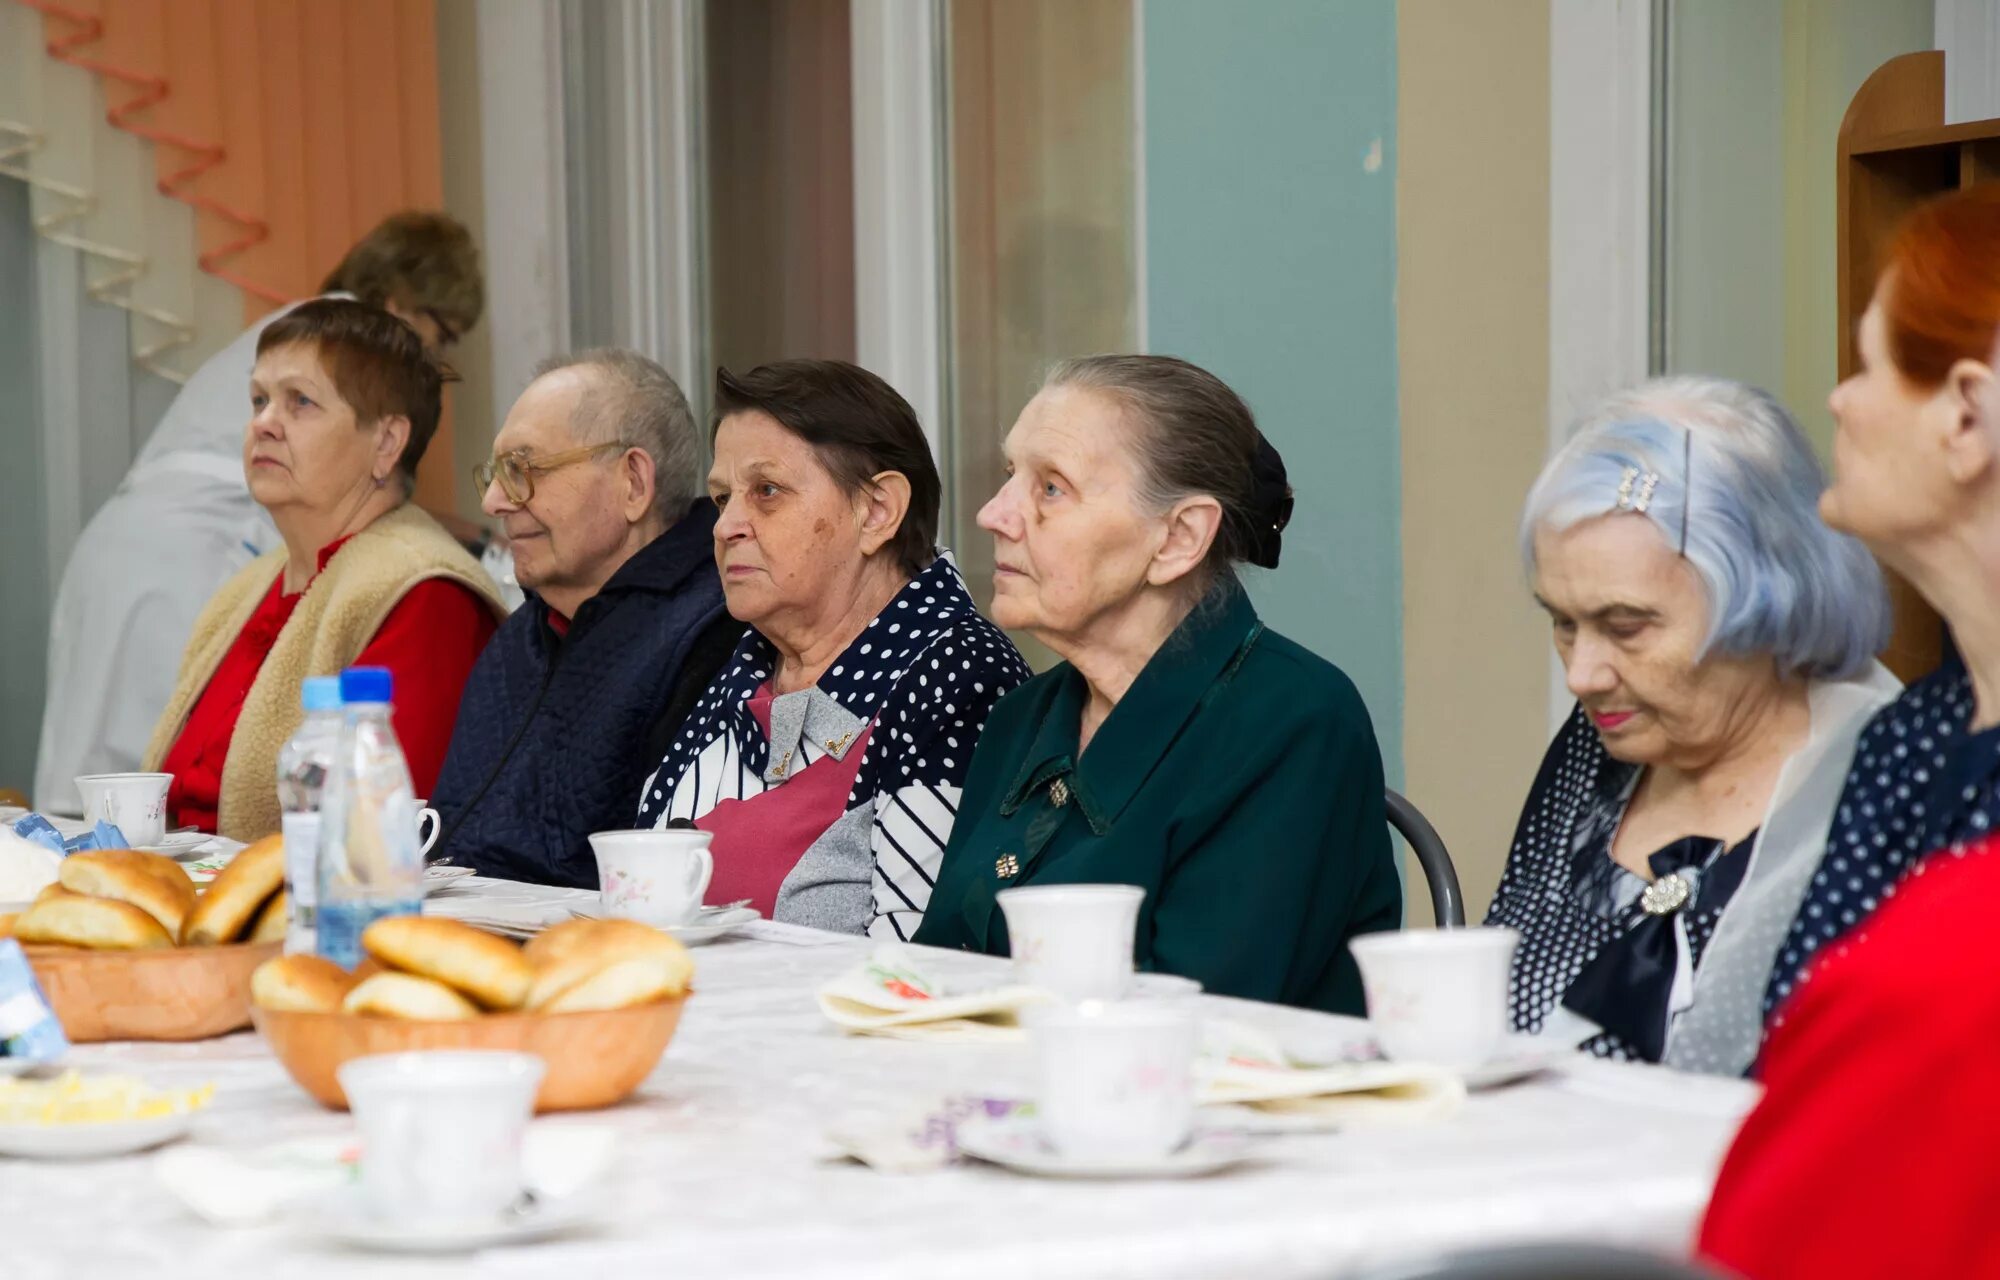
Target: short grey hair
column 1778, row 580
column 628, row 397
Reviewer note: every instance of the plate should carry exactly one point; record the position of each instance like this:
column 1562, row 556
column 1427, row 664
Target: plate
column 443, row 873
column 1016, row 1143
column 708, row 926
column 91, row 1140
column 344, row 1217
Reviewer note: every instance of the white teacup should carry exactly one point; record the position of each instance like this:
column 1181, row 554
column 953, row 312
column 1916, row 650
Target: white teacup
column 135, row 803
column 427, row 815
column 1438, row 995
column 1074, row 940
column 1114, row 1081
column 657, row 877
column 441, row 1130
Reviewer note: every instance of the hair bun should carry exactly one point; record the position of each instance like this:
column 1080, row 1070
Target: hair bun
column 1270, row 504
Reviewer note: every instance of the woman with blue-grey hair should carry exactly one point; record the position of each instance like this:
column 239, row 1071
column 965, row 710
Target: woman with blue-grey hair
column 1719, row 640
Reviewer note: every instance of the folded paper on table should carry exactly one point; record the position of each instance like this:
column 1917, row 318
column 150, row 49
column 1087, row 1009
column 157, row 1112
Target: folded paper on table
column 1241, row 1065
column 914, row 1139
column 242, row 1187
column 889, row 994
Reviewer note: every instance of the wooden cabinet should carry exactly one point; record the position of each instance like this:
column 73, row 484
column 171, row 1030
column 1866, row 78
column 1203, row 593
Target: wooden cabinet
column 1895, row 152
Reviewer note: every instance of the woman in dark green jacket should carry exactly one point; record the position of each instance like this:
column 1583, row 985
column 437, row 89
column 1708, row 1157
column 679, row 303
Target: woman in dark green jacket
column 1180, row 746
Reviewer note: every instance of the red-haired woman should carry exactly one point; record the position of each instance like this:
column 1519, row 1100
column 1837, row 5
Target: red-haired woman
column 1916, row 465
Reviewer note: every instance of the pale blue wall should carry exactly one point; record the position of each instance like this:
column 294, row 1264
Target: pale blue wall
column 1270, row 158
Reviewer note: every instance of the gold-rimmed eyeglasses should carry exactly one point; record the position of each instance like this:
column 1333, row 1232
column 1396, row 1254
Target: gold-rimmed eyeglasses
column 516, row 469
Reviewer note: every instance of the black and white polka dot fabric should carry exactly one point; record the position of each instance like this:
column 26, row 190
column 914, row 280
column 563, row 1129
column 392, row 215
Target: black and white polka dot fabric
column 925, row 673
column 1919, row 786
column 1567, row 898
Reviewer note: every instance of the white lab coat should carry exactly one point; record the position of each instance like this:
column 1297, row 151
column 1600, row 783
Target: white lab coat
column 179, row 525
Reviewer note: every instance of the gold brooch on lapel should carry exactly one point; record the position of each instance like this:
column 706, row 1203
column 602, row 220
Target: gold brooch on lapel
column 1007, row 866
column 783, row 765
column 1059, row 793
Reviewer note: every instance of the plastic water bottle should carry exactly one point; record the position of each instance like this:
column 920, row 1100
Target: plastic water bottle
column 369, row 863
column 303, row 766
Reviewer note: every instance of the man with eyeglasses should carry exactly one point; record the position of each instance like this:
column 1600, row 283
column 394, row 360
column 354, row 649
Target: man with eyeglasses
column 596, row 480
column 182, row 521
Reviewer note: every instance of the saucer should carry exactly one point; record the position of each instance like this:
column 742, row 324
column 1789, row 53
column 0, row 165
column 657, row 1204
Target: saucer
column 177, row 844
column 707, row 927
column 1519, row 1057
column 1016, row 1143
column 93, row 1139
column 343, row 1216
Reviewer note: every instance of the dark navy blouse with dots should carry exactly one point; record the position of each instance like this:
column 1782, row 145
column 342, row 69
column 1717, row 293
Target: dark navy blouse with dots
column 1919, row 785
column 1569, row 900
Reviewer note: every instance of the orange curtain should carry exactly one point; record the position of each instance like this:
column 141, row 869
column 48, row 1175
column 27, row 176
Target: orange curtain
column 290, row 126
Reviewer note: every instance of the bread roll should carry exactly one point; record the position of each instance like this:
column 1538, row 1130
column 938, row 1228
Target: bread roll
column 301, row 984
column 638, row 980
column 490, row 969
column 225, row 912
column 7, row 920
column 273, row 920
column 104, row 924
column 54, row 890
column 404, row 995
column 150, row 881
column 567, row 954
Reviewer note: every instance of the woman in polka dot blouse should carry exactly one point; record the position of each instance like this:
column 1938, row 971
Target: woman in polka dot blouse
column 826, row 758
column 1916, row 476
column 1719, row 640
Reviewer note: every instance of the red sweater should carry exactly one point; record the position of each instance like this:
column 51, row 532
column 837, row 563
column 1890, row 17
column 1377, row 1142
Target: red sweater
column 1876, row 1149
column 429, row 642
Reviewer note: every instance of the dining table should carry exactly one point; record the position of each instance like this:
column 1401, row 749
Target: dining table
column 724, row 1165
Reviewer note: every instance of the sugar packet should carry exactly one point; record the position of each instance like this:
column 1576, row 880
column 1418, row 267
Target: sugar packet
column 29, row 1029
column 102, row 835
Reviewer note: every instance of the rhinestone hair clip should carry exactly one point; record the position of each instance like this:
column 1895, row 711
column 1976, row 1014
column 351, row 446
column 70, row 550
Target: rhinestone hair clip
column 1635, row 489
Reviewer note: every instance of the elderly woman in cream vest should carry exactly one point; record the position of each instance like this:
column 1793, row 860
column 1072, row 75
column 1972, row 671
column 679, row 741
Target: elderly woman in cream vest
column 343, row 400
column 1720, row 643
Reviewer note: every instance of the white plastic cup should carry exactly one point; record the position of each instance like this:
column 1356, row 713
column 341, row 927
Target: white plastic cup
column 1114, row 1082
column 656, row 877
column 441, row 1130
column 135, row 803
column 1074, row 940
column 1438, row 995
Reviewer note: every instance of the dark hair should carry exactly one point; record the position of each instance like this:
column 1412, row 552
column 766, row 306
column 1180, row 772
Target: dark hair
column 857, row 425
column 421, row 262
column 1193, row 435
column 377, row 363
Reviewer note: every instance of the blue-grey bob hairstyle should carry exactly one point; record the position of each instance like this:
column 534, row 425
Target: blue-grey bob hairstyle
column 1779, row 581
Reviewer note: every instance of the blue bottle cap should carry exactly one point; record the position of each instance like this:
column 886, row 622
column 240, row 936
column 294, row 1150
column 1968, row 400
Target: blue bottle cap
column 320, row 693
column 365, row 684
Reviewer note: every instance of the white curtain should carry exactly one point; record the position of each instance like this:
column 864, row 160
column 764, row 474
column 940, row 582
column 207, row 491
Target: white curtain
column 105, row 309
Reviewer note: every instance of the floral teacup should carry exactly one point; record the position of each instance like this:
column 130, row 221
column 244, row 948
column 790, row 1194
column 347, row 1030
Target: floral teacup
column 657, row 877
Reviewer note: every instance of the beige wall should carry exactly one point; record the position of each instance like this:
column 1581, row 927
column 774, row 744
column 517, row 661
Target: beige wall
column 472, row 404
column 1472, row 232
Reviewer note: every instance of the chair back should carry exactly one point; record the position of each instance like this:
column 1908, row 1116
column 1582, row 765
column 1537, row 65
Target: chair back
column 1447, row 903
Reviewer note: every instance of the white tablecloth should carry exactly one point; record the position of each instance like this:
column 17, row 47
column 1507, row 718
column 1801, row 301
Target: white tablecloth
column 724, row 1171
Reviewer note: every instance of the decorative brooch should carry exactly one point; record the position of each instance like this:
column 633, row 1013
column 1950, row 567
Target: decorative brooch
column 1666, row 895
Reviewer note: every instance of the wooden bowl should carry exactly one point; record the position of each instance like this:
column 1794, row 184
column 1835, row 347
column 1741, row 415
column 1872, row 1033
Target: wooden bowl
column 166, row 993
column 594, row 1059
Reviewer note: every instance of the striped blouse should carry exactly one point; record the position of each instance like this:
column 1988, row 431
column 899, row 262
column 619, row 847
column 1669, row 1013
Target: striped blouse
column 832, row 804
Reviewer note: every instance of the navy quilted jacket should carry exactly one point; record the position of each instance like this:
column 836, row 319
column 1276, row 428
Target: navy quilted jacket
column 555, row 734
